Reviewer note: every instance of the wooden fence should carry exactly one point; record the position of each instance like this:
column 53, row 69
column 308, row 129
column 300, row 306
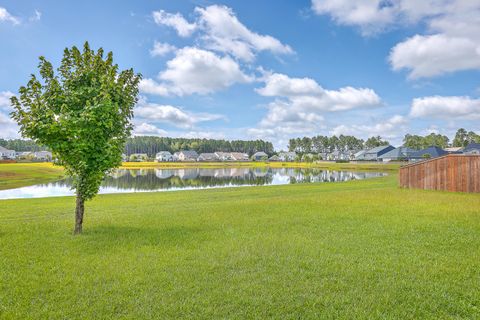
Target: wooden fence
column 453, row 172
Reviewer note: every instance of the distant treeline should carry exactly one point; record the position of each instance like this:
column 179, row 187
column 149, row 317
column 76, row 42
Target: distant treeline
column 320, row 144
column 462, row 139
column 21, row 145
column 151, row 145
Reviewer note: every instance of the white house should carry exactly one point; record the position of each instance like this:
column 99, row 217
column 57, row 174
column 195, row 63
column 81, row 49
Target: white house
column 7, row 154
column 239, row 156
column 163, row 156
column 207, row 157
column 188, row 155
column 224, row 156
column 287, row 156
column 258, row 156
column 43, row 155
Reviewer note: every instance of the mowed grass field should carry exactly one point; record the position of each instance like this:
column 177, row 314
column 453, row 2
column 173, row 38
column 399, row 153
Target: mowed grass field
column 354, row 250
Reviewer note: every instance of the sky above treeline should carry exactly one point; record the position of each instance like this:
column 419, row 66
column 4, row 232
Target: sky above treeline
column 270, row 70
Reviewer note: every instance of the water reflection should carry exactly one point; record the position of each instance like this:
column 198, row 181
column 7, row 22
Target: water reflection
column 192, row 178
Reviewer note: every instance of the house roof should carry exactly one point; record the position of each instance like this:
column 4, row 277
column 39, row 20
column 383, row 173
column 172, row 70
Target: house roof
column 378, row 149
column 2, row 149
column 453, row 149
column 260, row 154
column 400, row 152
column 433, row 151
column 189, row 153
column 164, row 153
column 208, row 155
column 472, row 146
column 239, row 155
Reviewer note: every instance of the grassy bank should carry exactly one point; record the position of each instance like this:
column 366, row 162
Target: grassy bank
column 322, row 164
column 16, row 175
column 354, row 250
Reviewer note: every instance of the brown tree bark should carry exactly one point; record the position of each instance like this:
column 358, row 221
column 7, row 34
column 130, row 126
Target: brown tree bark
column 79, row 210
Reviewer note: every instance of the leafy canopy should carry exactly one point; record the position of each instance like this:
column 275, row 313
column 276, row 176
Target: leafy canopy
column 83, row 113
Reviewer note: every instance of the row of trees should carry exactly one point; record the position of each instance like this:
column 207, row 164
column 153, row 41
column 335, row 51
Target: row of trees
column 21, row 145
column 462, row 139
column 320, row 144
column 151, row 145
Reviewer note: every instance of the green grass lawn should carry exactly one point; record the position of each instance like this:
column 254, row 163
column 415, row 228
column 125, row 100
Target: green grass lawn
column 354, row 250
column 16, row 175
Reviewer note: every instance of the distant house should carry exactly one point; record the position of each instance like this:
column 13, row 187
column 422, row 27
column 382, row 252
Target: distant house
column 239, row 156
column 472, row 148
column 375, row 153
column 428, row 153
column 138, row 157
column 207, row 157
column 188, row 155
column 359, row 155
column 274, row 158
column 24, row 155
column 163, row 156
column 287, row 156
column 259, row 156
column 43, row 155
column 398, row 154
column 224, row 156
column 454, row 150
column 7, row 154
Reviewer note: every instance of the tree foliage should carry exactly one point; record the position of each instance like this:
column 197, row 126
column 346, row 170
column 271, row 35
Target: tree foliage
column 321, row 144
column 421, row 142
column 82, row 113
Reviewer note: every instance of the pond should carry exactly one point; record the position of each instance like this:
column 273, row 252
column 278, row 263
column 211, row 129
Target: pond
column 149, row 180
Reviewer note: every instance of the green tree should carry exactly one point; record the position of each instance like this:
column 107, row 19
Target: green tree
column 374, row 142
column 460, row 139
column 82, row 114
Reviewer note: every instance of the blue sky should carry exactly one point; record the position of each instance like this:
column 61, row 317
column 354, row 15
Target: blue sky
column 267, row 69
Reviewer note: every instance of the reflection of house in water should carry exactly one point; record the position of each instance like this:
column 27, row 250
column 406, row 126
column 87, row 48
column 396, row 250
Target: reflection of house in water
column 164, row 173
column 207, row 172
column 259, row 172
column 239, row 172
column 116, row 174
column 186, row 174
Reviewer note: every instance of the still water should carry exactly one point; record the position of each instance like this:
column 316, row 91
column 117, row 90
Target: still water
column 149, row 180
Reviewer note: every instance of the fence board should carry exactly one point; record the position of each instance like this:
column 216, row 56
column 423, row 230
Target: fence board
column 453, row 172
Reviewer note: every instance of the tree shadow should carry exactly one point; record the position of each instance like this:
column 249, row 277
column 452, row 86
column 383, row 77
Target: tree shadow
column 111, row 237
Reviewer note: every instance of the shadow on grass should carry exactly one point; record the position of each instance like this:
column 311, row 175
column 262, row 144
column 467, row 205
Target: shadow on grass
column 117, row 237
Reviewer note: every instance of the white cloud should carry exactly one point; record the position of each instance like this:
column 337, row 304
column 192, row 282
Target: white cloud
column 224, row 32
column 370, row 15
column 8, row 127
column 220, row 30
column 8, row 17
column 301, row 104
column 450, row 42
column 37, row 15
column 176, row 21
column 5, row 100
column 448, row 108
column 176, row 116
column 160, row 49
column 150, row 86
column 391, row 128
column 194, row 70
column 146, row 129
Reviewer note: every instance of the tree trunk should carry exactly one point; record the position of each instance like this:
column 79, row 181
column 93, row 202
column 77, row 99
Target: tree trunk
column 79, row 209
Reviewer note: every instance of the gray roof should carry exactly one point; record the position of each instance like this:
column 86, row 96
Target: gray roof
column 432, row 151
column 2, row 149
column 378, row 149
column 190, row 153
column 164, row 153
column 471, row 147
column 400, row 152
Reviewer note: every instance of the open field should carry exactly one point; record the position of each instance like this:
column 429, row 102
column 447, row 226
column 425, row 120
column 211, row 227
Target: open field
column 355, row 250
column 16, row 175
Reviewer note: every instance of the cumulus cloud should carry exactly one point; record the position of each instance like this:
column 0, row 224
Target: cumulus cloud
column 160, row 49
column 8, row 17
column 5, row 100
column 146, row 129
column 224, row 32
column 390, row 128
column 195, row 70
column 450, row 42
column 427, row 56
column 176, row 21
column 446, row 107
column 220, row 30
column 301, row 104
column 8, row 127
column 175, row 116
